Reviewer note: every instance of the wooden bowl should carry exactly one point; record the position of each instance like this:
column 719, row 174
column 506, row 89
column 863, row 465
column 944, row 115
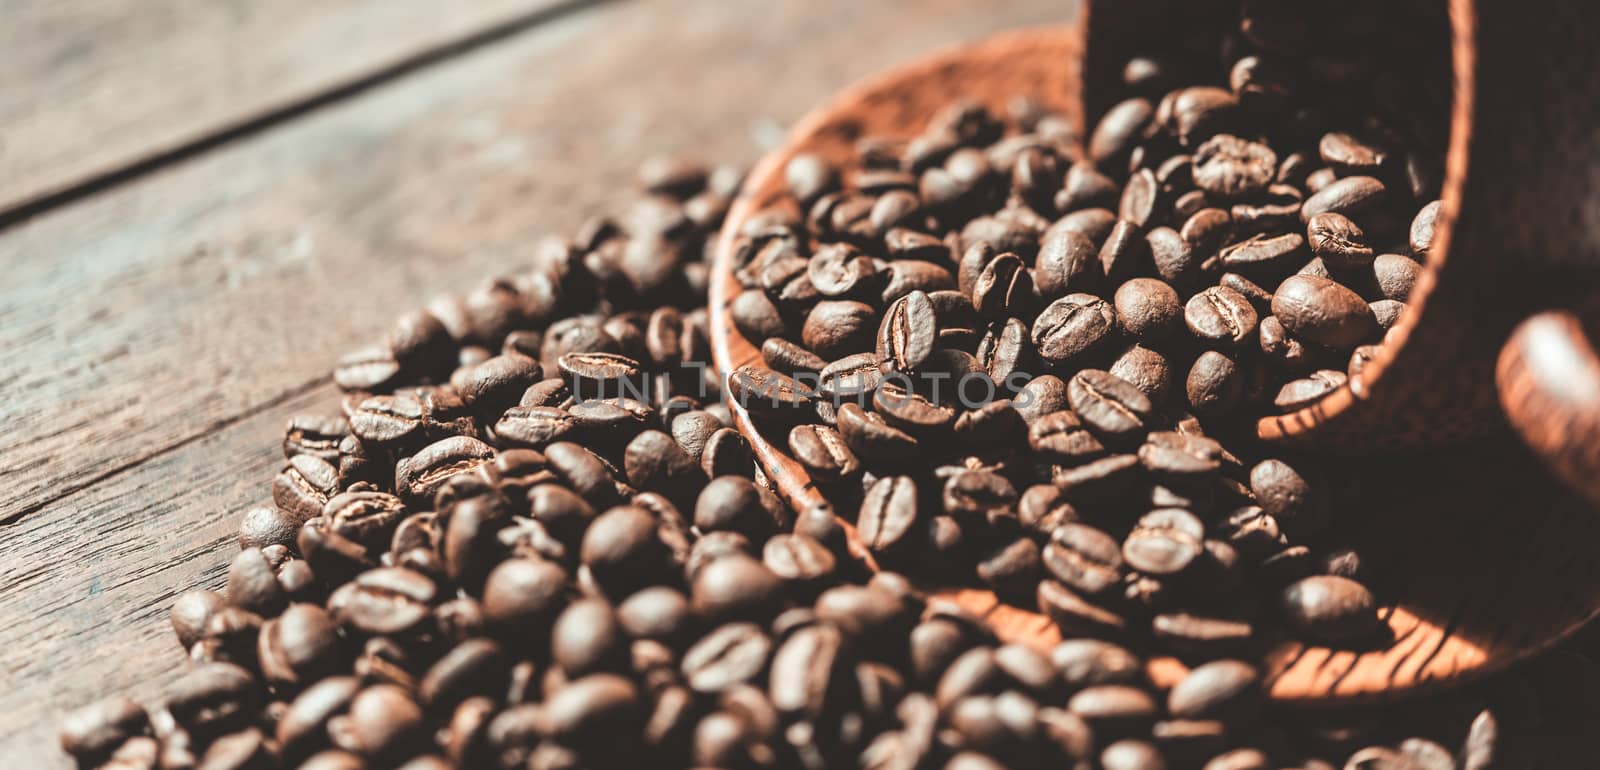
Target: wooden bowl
column 1479, row 561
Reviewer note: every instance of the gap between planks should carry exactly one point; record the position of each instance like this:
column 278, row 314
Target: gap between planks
column 217, row 425
column 252, row 124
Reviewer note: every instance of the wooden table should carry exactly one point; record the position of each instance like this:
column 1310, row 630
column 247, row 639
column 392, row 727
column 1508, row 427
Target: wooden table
column 203, row 204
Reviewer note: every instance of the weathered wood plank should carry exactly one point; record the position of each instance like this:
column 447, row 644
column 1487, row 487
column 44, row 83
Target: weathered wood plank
column 141, row 318
column 93, row 86
column 141, row 324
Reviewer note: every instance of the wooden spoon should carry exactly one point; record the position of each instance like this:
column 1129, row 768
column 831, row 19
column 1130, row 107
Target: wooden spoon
column 1476, row 548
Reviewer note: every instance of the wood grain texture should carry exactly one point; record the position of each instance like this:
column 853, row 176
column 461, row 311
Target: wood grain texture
column 92, row 86
column 1461, row 542
column 154, row 339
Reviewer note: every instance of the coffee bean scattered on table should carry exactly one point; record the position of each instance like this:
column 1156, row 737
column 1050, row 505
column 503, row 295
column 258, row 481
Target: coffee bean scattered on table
column 530, row 538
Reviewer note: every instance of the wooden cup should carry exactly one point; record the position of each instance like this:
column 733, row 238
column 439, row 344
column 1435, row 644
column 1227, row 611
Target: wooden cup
column 1478, row 552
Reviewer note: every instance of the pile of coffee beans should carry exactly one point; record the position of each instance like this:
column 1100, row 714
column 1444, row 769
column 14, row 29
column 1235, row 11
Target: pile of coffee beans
column 531, row 537
column 1042, row 358
column 488, row 562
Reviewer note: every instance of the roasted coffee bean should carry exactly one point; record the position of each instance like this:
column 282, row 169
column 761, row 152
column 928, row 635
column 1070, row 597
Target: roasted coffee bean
column 253, row 583
column 1003, row 288
column 1220, row 316
column 1072, row 327
column 1176, row 260
column 889, row 514
column 1113, row 709
column 1147, row 309
column 1351, row 196
column 654, row 462
column 1298, row 394
column 1321, row 311
column 1330, row 609
column 1295, row 496
column 213, row 698
column 1132, row 755
column 588, row 638
column 852, row 378
column 1098, row 481
column 368, row 518
column 837, row 328
column 768, row 392
column 191, row 612
column 387, row 600
column 733, row 504
column 1084, row 558
column 1140, row 198
column 266, row 526
column 1264, row 255
column 868, row 435
column 93, row 732
column 1085, row 663
column 1095, row 224
column 734, row 586
column 1223, row 689
column 1178, row 456
column 912, row 412
column 1338, row 242
column 1107, row 404
column 315, row 435
column 755, row 315
column 367, row 370
column 601, row 375
column 839, row 270
column 1067, row 262
column 799, row 558
column 1395, row 276
column 520, row 593
column 1349, row 154
column 1123, row 253
column 305, row 486
column 1231, row 168
column 1388, row 313
column 1164, row 542
column 299, row 646
column 809, row 176
column 419, row 476
column 1203, row 637
column 1147, row 369
column 807, row 671
column 1123, row 126
column 498, row 383
column 975, row 495
column 731, row 655
column 1064, row 435
column 1421, row 235
column 534, row 427
column 786, row 357
column 908, row 333
column 1240, row 759
column 823, row 451
column 727, row 453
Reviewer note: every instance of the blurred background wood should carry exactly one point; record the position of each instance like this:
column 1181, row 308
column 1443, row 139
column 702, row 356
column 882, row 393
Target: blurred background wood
column 91, row 87
column 155, row 335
